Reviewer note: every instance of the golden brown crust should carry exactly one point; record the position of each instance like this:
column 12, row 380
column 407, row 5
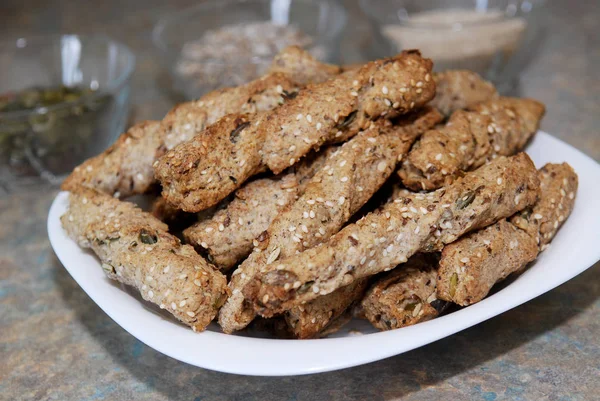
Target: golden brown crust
column 126, row 167
column 388, row 236
column 279, row 138
column 473, row 264
column 136, row 249
column 350, row 176
column 227, row 236
column 307, row 321
column 460, row 89
column 471, row 138
column 404, row 296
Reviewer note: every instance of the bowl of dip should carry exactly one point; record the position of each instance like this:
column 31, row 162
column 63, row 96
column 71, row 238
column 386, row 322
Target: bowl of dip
column 494, row 38
column 63, row 99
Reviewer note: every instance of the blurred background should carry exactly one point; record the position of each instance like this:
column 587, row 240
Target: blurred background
column 65, row 98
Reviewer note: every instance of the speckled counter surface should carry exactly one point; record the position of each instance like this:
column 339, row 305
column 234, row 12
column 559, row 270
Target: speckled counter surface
column 56, row 344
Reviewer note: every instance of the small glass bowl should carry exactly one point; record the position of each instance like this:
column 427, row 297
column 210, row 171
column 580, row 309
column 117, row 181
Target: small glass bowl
column 495, row 38
column 195, row 72
column 50, row 140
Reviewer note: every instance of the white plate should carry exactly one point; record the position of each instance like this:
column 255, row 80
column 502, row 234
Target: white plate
column 575, row 248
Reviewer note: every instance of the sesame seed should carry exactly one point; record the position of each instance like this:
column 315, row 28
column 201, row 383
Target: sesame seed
column 381, row 166
column 372, row 140
column 167, row 268
column 353, row 93
column 299, row 116
column 292, row 228
column 537, row 216
column 338, row 134
column 265, row 298
column 465, row 260
column 355, row 83
column 287, row 286
column 305, row 215
column 309, row 118
column 319, row 125
column 315, row 290
column 387, row 102
column 427, row 77
column 281, row 202
column 344, row 179
column 273, row 255
column 363, row 260
column 438, row 156
column 173, row 305
column 419, row 90
column 311, row 214
column 221, row 227
column 292, row 161
column 385, row 90
column 341, row 200
column 198, row 283
column 517, row 198
column 499, row 181
column 292, row 148
column 321, row 230
column 203, row 172
column 371, row 263
column 417, row 230
column 342, row 163
column 190, row 313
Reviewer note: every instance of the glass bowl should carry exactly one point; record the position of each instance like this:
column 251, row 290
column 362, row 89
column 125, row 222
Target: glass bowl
column 63, row 99
column 230, row 42
column 494, row 38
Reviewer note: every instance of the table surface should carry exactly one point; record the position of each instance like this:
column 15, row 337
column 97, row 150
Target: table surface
column 58, row 345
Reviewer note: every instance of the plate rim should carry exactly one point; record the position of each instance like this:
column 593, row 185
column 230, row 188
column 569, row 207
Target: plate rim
column 254, row 362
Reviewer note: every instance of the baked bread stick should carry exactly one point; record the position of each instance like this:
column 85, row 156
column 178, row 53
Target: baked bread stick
column 353, row 173
column 199, row 173
column 136, row 249
column 460, row 89
column 226, row 238
column 471, row 138
column 125, row 168
column 470, row 266
column 404, row 296
column 389, row 236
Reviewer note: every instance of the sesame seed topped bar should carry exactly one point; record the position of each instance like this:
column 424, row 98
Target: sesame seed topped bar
column 470, row 266
column 199, row 173
column 351, row 175
column 125, row 168
column 136, row 249
column 389, row 236
column 499, row 127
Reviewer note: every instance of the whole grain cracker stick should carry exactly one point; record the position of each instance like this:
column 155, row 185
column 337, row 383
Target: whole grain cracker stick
column 199, row 173
column 460, row 89
column 353, row 173
column 125, row 168
column 404, row 296
column 227, row 236
column 389, row 236
column 470, row 266
column 471, row 138
column 136, row 249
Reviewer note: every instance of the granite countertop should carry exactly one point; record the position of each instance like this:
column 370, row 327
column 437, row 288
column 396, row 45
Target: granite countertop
column 58, row 345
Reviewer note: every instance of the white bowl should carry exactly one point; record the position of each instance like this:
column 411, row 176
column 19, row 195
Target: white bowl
column 574, row 249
